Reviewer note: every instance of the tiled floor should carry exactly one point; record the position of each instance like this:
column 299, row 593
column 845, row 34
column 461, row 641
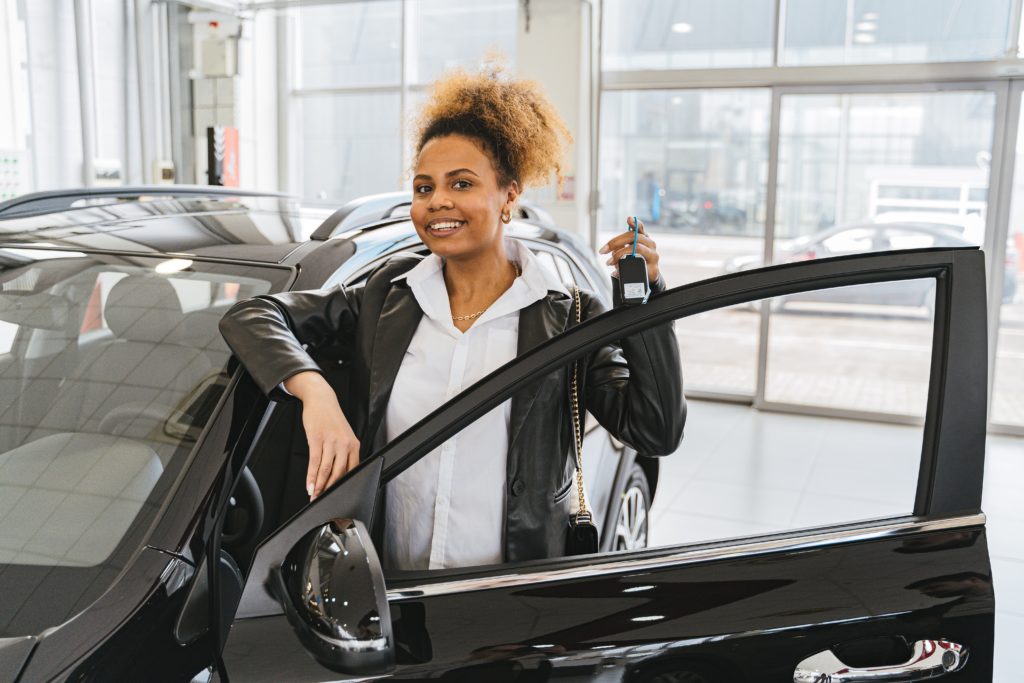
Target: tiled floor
column 747, row 472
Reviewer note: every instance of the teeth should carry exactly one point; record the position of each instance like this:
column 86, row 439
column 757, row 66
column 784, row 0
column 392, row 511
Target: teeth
column 446, row 225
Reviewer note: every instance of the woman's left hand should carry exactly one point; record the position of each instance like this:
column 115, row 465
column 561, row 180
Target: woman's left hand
column 622, row 245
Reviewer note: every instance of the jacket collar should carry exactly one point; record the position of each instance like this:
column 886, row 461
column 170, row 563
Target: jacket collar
column 401, row 313
column 399, row 317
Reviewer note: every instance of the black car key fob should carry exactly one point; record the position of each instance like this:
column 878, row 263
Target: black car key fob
column 634, row 286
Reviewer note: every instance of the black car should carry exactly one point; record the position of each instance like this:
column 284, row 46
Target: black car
column 153, row 524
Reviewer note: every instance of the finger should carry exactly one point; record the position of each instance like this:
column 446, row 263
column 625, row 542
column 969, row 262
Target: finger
column 634, row 221
column 626, row 240
column 650, row 254
column 324, row 473
column 617, row 241
column 339, row 469
column 620, row 254
column 353, row 456
column 315, row 455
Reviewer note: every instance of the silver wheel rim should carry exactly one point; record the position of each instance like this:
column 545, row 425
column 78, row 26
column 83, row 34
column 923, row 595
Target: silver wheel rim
column 631, row 527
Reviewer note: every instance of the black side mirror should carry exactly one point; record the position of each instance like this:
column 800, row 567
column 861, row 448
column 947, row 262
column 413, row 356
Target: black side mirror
column 331, row 587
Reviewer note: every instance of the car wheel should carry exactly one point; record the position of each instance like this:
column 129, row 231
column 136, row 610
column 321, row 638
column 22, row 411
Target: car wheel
column 634, row 512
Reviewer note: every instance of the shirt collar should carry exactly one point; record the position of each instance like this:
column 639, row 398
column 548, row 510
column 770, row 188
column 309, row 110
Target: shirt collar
column 426, row 281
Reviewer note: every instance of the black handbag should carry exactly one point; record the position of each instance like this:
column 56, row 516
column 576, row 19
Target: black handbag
column 582, row 538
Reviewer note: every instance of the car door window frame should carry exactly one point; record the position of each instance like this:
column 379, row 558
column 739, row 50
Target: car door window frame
column 949, row 484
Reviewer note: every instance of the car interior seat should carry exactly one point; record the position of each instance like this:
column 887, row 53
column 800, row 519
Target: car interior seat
column 132, row 385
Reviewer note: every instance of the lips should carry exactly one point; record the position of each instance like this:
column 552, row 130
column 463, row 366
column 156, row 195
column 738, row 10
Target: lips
column 444, row 227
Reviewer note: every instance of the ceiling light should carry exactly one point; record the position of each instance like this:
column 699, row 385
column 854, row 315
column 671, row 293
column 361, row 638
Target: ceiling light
column 677, row 100
column 653, row 617
column 681, row 27
column 863, row 38
column 870, row 16
column 866, row 26
column 173, row 265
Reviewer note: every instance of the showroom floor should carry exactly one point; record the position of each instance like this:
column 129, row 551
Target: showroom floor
column 744, row 472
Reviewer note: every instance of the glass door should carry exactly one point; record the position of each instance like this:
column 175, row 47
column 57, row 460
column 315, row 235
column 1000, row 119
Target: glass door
column 1006, row 299
column 692, row 165
column 865, row 170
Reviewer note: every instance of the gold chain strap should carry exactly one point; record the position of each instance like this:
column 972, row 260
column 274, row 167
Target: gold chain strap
column 577, row 432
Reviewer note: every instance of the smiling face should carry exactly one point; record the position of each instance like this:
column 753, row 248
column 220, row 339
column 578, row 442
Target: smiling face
column 458, row 198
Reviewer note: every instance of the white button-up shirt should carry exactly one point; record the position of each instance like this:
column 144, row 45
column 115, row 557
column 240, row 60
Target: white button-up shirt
column 448, row 510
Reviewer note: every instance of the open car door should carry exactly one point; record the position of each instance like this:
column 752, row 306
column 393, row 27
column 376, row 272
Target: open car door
column 897, row 598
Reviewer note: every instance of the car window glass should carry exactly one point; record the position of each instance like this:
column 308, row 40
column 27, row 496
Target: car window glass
column 739, row 472
column 848, row 241
column 119, row 376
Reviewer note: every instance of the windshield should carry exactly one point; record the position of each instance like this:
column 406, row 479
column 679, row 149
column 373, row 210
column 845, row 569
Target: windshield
column 109, row 369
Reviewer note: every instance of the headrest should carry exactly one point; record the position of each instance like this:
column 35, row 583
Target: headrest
column 143, row 308
column 39, row 310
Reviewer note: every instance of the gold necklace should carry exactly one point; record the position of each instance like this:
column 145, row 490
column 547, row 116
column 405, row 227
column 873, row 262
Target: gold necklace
column 471, row 316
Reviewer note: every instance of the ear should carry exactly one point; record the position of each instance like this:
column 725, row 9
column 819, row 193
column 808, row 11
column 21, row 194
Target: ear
column 512, row 193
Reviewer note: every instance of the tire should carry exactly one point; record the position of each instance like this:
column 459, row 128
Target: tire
column 632, row 515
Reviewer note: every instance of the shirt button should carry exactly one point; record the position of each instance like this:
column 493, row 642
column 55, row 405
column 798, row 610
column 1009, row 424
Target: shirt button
column 518, row 487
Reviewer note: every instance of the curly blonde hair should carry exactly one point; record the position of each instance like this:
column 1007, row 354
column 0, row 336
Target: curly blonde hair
column 513, row 120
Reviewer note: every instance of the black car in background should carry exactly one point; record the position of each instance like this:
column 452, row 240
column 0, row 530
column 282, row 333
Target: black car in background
column 153, row 524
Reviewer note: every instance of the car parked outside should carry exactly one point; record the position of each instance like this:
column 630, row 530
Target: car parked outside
column 971, row 228
column 868, row 237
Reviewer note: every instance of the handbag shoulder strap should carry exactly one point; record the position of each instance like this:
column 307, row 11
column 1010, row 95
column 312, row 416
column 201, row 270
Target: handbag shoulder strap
column 575, row 405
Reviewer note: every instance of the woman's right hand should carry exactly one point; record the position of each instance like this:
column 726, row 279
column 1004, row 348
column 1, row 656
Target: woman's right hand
column 333, row 446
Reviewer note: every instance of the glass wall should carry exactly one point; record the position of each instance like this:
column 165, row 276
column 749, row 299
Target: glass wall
column 850, row 158
column 470, row 31
column 350, row 144
column 354, row 72
column 687, row 34
column 350, row 45
column 693, row 166
column 899, row 164
column 816, row 32
column 871, row 172
column 1008, row 389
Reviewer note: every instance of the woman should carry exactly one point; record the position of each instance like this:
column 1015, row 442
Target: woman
column 423, row 329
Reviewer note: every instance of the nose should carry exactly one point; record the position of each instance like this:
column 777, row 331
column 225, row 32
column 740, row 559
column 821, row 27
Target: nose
column 440, row 200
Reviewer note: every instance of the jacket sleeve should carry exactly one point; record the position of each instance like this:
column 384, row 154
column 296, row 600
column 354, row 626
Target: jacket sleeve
column 636, row 390
column 270, row 333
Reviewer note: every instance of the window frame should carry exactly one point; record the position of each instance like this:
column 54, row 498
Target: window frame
column 949, row 485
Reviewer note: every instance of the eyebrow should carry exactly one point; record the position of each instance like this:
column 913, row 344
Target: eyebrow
column 449, row 174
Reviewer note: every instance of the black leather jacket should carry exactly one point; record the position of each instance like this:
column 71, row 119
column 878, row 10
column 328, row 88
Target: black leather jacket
column 635, row 391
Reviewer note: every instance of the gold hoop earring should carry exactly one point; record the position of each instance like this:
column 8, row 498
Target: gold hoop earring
column 506, row 217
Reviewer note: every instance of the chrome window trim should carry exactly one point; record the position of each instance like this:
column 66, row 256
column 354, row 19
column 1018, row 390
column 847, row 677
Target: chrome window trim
column 743, row 548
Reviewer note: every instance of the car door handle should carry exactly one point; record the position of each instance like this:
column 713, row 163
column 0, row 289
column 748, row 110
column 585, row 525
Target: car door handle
column 930, row 658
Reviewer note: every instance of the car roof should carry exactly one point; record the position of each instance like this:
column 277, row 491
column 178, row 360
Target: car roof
column 249, row 228
column 942, row 230
column 216, row 223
